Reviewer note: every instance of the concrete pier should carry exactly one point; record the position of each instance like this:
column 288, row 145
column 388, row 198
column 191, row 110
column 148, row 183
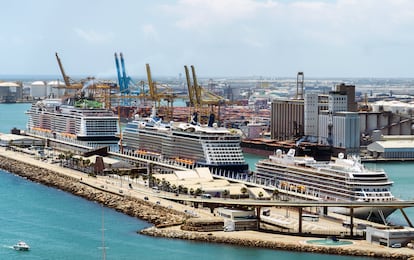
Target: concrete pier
column 170, row 215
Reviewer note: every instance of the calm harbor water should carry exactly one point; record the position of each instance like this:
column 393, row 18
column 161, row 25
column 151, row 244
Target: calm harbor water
column 58, row 225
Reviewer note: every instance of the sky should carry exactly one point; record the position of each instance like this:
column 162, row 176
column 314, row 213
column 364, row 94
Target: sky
column 221, row 38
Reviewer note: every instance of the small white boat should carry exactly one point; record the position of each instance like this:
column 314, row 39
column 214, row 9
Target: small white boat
column 21, row 246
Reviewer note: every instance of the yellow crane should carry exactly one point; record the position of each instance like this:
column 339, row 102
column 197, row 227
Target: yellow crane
column 204, row 101
column 99, row 89
column 69, row 83
column 191, row 94
column 159, row 93
column 203, row 96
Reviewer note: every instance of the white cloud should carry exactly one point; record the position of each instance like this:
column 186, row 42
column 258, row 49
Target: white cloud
column 197, row 14
column 293, row 33
column 91, row 36
column 239, row 37
column 150, row 33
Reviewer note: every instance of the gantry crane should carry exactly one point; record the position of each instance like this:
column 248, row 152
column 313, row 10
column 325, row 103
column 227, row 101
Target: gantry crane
column 159, row 93
column 202, row 100
column 131, row 93
column 126, row 84
column 69, row 83
column 191, row 94
column 96, row 88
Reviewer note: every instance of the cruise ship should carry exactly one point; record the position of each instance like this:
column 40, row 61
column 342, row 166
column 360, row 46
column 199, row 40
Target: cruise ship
column 342, row 180
column 189, row 144
column 76, row 120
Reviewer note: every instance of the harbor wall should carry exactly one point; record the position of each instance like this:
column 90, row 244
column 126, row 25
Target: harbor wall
column 134, row 207
column 273, row 244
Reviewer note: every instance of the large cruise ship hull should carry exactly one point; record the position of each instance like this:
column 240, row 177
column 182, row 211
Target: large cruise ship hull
column 198, row 146
column 85, row 123
column 344, row 179
column 375, row 214
column 237, row 168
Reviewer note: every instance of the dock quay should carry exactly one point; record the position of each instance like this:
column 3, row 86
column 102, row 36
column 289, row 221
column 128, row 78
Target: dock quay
column 164, row 165
column 170, row 215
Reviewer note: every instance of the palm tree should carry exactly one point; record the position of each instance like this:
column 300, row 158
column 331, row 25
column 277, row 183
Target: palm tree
column 226, row 193
column 168, row 186
column 163, row 184
column 151, row 181
column 243, row 190
column 198, row 192
column 69, row 157
column 87, row 163
column 61, row 157
column 145, row 178
column 79, row 162
column 275, row 193
column 185, row 190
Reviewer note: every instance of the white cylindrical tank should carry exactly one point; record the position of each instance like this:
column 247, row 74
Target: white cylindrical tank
column 38, row 89
column 55, row 89
column 10, row 91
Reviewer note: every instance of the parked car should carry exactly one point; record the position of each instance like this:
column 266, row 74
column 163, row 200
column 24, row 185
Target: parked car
column 396, row 245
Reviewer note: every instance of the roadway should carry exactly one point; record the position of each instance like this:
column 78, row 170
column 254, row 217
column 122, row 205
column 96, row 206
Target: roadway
column 278, row 203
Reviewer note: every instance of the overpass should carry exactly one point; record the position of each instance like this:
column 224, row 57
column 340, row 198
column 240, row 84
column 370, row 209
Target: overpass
column 258, row 204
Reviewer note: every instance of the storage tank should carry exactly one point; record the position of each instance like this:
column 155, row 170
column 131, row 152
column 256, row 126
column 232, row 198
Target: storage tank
column 38, row 89
column 10, row 92
column 55, row 89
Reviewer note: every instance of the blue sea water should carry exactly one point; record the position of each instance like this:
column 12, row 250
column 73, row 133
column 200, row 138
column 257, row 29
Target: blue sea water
column 59, row 225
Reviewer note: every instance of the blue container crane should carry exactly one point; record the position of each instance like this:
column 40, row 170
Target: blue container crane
column 120, row 79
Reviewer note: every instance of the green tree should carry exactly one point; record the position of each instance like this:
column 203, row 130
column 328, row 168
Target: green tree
column 145, row 178
column 87, row 164
column 163, row 184
column 61, row 157
column 198, row 192
column 151, row 181
column 168, row 186
column 275, row 194
column 185, row 190
column 243, row 190
column 226, row 193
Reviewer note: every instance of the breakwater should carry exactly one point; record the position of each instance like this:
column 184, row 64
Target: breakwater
column 262, row 243
column 133, row 207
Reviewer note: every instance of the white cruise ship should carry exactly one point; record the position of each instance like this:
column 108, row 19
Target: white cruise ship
column 342, row 180
column 188, row 144
column 79, row 121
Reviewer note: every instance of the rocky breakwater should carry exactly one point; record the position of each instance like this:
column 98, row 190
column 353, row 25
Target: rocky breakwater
column 134, row 207
column 279, row 244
